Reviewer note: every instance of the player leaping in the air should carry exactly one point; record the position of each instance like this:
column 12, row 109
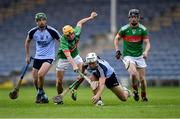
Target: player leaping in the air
column 134, row 35
column 68, row 53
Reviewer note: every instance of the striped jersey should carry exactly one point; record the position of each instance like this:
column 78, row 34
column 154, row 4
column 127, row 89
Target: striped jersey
column 133, row 39
column 45, row 41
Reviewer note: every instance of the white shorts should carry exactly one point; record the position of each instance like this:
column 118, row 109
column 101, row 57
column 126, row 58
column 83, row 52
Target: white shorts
column 138, row 61
column 62, row 64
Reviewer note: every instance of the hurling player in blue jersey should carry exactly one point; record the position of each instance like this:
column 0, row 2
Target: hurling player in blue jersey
column 44, row 36
column 101, row 71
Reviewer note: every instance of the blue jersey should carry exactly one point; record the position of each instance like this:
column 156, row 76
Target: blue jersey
column 45, row 41
column 103, row 69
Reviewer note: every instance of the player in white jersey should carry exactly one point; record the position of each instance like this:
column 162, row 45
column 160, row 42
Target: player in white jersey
column 101, row 71
column 44, row 36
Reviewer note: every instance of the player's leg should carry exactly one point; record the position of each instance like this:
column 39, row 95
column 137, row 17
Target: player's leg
column 59, row 81
column 120, row 92
column 141, row 65
column 143, row 84
column 35, row 77
column 36, row 66
column 41, row 74
column 116, row 88
column 59, row 84
column 134, row 76
column 61, row 66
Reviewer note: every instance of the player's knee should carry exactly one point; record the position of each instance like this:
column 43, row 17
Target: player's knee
column 40, row 75
column 134, row 74
column 59, row 82
column 35, row 76
column 35, row 80
column 123, row 98
column 142, row 78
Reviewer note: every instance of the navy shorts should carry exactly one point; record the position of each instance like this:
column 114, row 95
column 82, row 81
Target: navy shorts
column 110, row 82
column 38, row 62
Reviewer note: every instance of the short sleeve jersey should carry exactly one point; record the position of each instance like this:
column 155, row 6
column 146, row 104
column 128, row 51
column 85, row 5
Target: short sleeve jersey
column 133, row 39
column 45, row 41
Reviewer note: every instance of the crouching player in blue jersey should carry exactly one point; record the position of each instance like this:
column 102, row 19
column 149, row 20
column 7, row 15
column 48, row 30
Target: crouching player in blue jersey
column 104, row 74
column 45, row 37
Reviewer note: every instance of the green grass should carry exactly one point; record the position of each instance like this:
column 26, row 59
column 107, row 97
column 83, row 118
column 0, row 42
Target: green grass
column 163, row 103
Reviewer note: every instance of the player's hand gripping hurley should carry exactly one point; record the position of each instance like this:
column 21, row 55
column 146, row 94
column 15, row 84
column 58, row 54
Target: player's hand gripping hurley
column 126, row 63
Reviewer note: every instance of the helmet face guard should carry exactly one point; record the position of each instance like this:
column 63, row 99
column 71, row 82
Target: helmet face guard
column 40, row 16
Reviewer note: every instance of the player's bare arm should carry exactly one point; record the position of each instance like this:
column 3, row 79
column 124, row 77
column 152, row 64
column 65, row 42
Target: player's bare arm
column 116, row 46
column 82, row 21
column 100, row 90
column 116, row 42
column 71, row 60
column 146, row 47
column 27, row 45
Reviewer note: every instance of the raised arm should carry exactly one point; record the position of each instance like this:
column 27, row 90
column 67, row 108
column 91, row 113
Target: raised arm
column 82, row 21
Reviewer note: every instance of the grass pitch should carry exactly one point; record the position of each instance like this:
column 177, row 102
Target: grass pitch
column 163, row 103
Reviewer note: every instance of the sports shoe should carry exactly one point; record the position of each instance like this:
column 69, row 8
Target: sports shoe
column 135, row 95
column 44, row 98
column 59, row 103
column 99, row 103
column 41, row 98
column 38, row 98
column 74, row 94
column 144, row 99
column 58, row 99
